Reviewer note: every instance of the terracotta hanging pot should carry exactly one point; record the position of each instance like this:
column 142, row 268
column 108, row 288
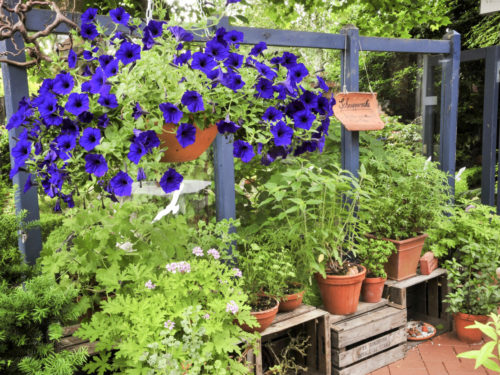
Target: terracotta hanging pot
column 264, row 318
column 372, row 289
column 403, row 263
column 291, row 301
column 176, row 153
column 340, row 294
column 469, row 335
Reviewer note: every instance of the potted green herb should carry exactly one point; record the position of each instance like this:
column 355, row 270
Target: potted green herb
column 407, row 197
column 318, row 207
column 373, row 254
column 472, row 235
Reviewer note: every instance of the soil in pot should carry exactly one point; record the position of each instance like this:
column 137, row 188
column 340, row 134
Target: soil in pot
column 264, row 310
column 372, row 289
column 176, row 153
column 340, row 293
column 292, row 299
column 469, row 335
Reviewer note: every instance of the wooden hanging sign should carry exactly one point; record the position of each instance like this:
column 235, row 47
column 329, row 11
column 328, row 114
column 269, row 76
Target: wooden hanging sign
column 358, row 111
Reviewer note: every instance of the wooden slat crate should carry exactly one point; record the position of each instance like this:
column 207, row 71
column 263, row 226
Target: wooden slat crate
column 365, row 341
column 422, row 297
column 309, row 320
column 70, row 342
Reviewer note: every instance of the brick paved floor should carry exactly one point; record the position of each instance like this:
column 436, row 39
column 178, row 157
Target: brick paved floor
column 436, row 357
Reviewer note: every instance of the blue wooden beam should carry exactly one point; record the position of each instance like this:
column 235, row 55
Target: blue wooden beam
column 369, row 43
column 15, row 81
column 473, row 54
column 449, row 109
column 490, row 125
column 349, row 77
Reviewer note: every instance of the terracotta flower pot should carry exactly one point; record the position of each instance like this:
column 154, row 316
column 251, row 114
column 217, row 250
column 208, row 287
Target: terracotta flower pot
column 340, row 294
column 372, row 289
column 264, row 318
column 291, row 301
column 176, row 153
column 469, row 335
column 403, row 264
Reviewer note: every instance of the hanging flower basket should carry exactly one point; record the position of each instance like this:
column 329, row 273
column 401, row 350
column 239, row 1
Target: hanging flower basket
column 176, row 153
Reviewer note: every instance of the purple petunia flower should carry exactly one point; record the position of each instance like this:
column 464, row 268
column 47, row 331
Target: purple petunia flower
column 303, row 119
column 171, row 113
column 232, row 81
column 96, row 164
column 186, row 134
column 63, row 83
column 203, row 62
column 232, row 1
column 104, row 60
column 89, row 31
column 29, row 183
column 90, row 138
column 108, row 100
column 234, row 37
column 282, row 134
column 309, row 99
column 264, row 88
column 21, row 151
column 217, row 50
column 77, row 103
column 137, row 151
column 121, row 184
column 193, row 101
column 265, row 71
column 182, row 58
column 322, row 84
column 234, row 60
column 180, row 34
column 72, row 59
column 272, row 114
column 293, row 107
column 120, row 16
column 137, row 112
column 141, row 175
column 171, row 181
column 89, row 15
column 258, row 49
column 48, row 104
column 70, row 127
column 149, row 139
column 147, row 40
column 16, row 120
column 103, row 121
column 86, row 117
column 52, row 120
column 288, row 60
column 65, row 144
column 155, row 28
column 224, row 127
column 97, row 81
column 128, row 52
column 243, row 150
column 297, row 72
column 323, row 106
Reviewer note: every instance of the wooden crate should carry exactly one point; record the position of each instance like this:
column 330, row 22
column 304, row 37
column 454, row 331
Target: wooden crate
column 422, row 297
column 373, row 337
column 306, row 319
column 70, row 342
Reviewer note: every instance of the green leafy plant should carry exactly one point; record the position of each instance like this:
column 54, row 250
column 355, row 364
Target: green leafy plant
column 408, row 195
column 373, row 254
column 488, row 356
column 31, row 316
column 176, row 319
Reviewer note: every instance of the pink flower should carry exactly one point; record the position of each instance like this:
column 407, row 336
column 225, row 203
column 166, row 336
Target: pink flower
column 198, row 251
column 206, row 316
column 232, row 307
column 150, row 285
column 182, row 267
column 237, row 272
column 214, row 253
column 169, row 325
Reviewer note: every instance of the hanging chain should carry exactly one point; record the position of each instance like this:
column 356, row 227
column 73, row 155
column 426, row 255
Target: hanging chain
column 149, row 11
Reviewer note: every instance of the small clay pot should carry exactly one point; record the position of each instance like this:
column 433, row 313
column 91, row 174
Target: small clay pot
column 176, row 153
column 372, row 289
column 291, row 301
column 469, row 335
column 264, row 318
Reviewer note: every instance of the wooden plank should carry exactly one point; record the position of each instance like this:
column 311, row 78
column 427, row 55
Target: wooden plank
column 295, row 321
column 345, row 358
column 325, row 366
column 258, row 359
column 313, row 350
column 363, row 307
column 368, row 325
column 374, row 363
column 69, row 330
column 415, row 279
column 302, row 309
column 371, row 43
column 433, row 298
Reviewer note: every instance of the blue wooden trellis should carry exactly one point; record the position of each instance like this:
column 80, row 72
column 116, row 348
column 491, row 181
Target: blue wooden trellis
column 490, row 133
column 349, row 41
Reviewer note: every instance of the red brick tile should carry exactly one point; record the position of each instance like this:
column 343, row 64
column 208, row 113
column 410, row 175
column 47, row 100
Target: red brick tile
column 437, row 353
column 462, row 369
column 404, row 363
column 382, row 371
column 406, row 371
column 448, row 339
column 436, row 368
column 413, row 354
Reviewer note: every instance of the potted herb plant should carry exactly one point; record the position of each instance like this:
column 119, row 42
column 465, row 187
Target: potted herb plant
column 373, row 254
column 471, row 238
column 408, row 195
column 98, row 125
column 318, row 207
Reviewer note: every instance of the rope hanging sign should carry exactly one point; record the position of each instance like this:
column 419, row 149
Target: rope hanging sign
column 358, row 111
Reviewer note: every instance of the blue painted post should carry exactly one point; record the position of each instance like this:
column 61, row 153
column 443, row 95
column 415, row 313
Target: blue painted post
column 349, row 77
column 15, row 81
column 225, row 197
column 490, row 124
column 449, row 109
